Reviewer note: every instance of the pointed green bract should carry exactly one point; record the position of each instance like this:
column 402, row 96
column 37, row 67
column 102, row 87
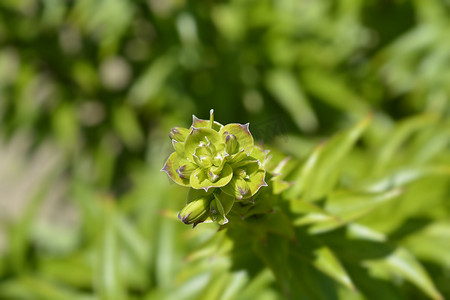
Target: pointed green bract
column 220, row 207
column 247, row 180
column 241, row 133
column 200, row 178
column 179, row 147
column 197, row 123
column 194, row 194
column 259, row 154
column 237, row 188
column 173, row 163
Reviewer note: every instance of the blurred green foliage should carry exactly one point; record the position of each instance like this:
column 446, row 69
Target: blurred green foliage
column 89, row 90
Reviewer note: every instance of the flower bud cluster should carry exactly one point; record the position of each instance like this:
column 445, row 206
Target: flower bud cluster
column 219, row 163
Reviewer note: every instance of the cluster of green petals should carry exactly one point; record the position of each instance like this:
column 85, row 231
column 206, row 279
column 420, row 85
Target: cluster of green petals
column 221, row 165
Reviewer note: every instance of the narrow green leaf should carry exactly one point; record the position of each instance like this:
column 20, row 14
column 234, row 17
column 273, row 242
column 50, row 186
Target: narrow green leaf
column 127, row 126
column 305, row 176
column 404, row 264
column 328, row 169
column 274, row 254
column 286, row 88
column 330, row 88
column 109, row 282
column 403, row 176
column 396, row 138
column 28, row 287
column 352, row 205
column 152, row 80
column 342, row 207
column 432, row 243
column 327, row 262
column 321, row 170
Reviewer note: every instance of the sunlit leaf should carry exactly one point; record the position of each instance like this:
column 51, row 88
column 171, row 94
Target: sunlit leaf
column 402, row 263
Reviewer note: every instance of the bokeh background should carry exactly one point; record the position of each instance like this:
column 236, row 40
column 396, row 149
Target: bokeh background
column 89, row 90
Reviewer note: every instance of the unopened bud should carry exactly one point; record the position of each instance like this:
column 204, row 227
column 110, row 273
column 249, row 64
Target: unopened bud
column 242, row 188
column 186, row 170
column 231, row 143
column 241, row 173
column 179, row 134
column 213, row 176
column 196, row 212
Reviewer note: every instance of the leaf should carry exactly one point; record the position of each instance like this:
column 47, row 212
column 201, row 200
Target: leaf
column 322, row 169
column 220, row 207
column 274, row 254
column 276, row 222
column 278, row 164
column 326, row 261
column 432, row 243
column 127, row 127
column 258, row 153
column 194, row 194
column 342, row 207
column 352, row 205
column 287, row 91
column 303, row 180
column 225, row 200
column 358, row 231
column 148, row 85
column 279, row 186
column 28, row 287
column 396, row 138
column 403, row 176
column 133, row 241
column 330, row 88
column 404, row 264
column 109, row 283
column 279, row 170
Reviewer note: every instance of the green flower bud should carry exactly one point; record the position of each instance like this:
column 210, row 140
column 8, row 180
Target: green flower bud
column 248, row 178
column 231, row 144
column 242, row 188
column 241, row 173
column 186, row 170
column 239, row 137
column 203, row 156
column 213, row 176
column 197, row 211
column 179, row 134
column 179, row 147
